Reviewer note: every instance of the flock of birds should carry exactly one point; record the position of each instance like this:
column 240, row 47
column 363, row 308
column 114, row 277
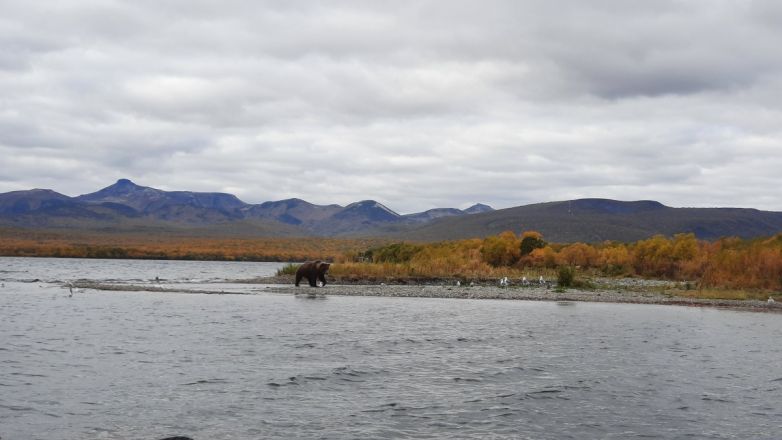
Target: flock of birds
column 505, row 282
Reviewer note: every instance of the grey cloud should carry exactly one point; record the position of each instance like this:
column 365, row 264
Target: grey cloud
column 415, row 103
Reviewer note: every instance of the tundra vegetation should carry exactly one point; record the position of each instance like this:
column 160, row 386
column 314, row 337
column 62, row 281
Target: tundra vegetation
column 725, row 268
column 167, row 246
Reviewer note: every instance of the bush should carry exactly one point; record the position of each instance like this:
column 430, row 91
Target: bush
column 501, row 250
column 393, row 253
column 583, row 284
column 565, row 276
column 288, row 269
column 530, row 241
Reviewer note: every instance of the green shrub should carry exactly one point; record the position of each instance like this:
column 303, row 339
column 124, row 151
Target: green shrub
column 565, row 276
column 288, row 269
column 583, row 284
column 394, row 253
column 530, row 243
column 614, row 270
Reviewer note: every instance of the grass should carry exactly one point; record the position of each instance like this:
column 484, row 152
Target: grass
column 288, row 269
column 733, row 294
column 86, row 244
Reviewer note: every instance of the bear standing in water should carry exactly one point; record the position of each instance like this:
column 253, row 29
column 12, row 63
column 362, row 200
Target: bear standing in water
column 313, row 271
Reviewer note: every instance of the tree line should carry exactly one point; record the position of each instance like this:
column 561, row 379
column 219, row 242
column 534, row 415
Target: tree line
column 731, row 263
column 724, row 263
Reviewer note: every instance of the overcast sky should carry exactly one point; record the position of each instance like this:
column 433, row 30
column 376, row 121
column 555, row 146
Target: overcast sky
column 417, row 104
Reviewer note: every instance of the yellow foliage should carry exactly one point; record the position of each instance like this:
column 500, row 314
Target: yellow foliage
column 614, row 260
column 578, row 254
column 728, row 263
column 532, row 234
column 501, row 250
column 149, row 246
column 543, row 257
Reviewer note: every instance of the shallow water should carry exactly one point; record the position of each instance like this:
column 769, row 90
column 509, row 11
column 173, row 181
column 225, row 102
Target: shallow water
column 139, row 365
column 130, row 271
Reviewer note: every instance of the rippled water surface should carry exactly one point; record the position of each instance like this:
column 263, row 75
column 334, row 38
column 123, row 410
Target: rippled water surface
column 140, row 365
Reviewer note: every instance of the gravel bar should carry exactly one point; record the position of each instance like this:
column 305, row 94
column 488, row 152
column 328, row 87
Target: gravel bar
column 523, row 293
column 632, row 291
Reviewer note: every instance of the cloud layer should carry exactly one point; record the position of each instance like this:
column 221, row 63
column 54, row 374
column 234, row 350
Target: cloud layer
column 417, row 104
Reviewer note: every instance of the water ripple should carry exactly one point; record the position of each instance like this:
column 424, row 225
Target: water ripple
column 138, row 365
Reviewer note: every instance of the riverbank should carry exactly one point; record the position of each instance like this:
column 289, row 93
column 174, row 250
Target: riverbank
column 525, row 294
column 631, row 291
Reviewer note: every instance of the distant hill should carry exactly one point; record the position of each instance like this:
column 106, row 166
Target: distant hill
column 126, row 206
column 44, row 208
column 426, row 216
column 23, row 202
column 182, row 206
column 292, row 211
column 478, row 208
column 595, row 220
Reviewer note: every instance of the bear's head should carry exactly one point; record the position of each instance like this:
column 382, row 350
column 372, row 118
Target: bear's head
column 322, row 267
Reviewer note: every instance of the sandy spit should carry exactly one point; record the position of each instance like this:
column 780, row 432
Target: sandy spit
column 524, row 293
column 521, row 293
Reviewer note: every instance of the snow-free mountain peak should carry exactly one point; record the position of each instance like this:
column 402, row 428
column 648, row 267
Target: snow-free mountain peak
column 125, row 205
column 368, row 210
column 478, row 208
column 146, row 199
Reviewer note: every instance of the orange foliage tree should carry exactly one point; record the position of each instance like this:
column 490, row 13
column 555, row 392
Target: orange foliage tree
column 501, row 250
column 726, row 263
column 578, row 254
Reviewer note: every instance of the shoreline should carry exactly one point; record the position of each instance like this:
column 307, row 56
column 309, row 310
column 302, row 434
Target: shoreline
column 514, row 293
column 524, row 294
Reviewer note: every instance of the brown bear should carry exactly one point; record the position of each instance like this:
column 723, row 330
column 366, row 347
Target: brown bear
column 313, row 271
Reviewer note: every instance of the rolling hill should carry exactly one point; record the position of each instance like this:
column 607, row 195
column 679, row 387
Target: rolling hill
column 594, row 220
column 126, row 206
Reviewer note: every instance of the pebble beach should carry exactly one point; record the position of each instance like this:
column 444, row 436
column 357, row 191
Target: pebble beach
column 629, row 290
column 623, row 290
column 522, row 293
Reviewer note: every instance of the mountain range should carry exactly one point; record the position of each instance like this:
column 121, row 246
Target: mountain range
column 126, row 206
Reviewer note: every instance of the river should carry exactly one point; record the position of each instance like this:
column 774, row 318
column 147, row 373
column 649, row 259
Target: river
column 146, row 365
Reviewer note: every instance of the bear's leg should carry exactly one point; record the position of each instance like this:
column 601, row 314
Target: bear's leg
column 322, row 279
column 312, row 279
column 298, row 279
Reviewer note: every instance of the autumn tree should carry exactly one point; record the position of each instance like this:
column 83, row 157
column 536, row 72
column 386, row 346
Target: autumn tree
column 531, row 240
column 652, row 257
column 614, row 259
column 394, row 253
column 543, row 257
column 684, row 247
column 501, row 250
column 578, row 254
